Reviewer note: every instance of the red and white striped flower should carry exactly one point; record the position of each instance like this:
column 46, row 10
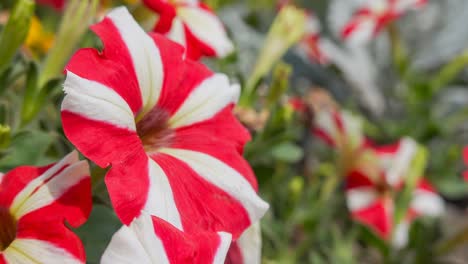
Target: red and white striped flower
column 374, row 16
column 311, row 43
column 371, row 192
column 166, row 126
column 35, row 203
column 150, row 239
column 193, row 25
column 248, row 248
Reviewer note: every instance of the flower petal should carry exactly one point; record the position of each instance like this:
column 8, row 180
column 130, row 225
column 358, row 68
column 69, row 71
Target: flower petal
column 37, row 251
column 152, row 240
column 213, row 177
column 207, row 28
column 205, row 101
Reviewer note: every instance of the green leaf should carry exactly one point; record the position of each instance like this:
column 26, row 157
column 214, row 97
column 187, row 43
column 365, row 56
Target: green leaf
column 26, row 148
column 287, row 152
column 97, row 232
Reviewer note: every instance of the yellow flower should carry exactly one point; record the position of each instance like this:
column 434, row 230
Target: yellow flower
column 39, row 41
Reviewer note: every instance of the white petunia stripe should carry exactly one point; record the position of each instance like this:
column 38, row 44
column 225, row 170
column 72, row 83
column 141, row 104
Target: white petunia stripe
column 137, row 243
column 95, row 101
column 26, row 192
column 221, row 252
column 324, row 120
column 224, row 177
column 145, row 56
column 160, row 198
column 205, row 101
column 27, row 251
column 177, row 32
column 360, row 198
column 427, row 203
column 54, row 189
column 250, row 244
column 207, row 28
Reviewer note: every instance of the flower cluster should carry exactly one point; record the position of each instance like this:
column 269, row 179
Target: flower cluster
column 376, row 175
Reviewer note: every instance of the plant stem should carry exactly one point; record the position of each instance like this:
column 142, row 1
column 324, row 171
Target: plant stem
column 449, row 72
column 453, row 242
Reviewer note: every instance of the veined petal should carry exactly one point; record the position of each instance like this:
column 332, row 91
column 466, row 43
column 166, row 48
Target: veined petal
column 207, row 28
column 177, row 32
column 51, row 189
column 205, row 101
column 152, row 240
column 96, row 102
column 24, row 251
column 225, row 178
column 145, row 56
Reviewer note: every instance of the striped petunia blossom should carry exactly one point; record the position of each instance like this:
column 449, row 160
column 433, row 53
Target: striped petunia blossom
column 193, row 25
column 165, row 125
column 312, row 41
column 368, row 21
column 248, row 248
column 35, row 203
column 371, row 192
column 149, row 239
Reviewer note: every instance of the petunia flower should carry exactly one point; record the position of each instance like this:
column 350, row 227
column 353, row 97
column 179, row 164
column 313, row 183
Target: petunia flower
column 166, row 126
column 248, row 248
column 35, row 202
column 371, row 192
column 150, row 239
column 374, row 16
column 311, row 43
column 193, row 25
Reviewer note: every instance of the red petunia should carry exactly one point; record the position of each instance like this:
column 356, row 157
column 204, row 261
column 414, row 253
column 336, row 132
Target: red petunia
column 35, row 203
column 193, row 25
column 165, row 125
column 371, row 193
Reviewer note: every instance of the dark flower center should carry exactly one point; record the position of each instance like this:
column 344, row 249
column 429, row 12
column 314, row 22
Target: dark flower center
column 7, row 228
column 153, row 130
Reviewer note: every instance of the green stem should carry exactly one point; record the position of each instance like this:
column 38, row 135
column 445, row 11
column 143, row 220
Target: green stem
column 399, row 54
column 449, row 72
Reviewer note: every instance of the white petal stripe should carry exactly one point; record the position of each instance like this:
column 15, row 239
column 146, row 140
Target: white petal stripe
column 177, row 32
column 224, row 177
column 207, row 28
column 29, row 251
column 360, row 198
column 250, row 244
column 160, row 198
column 223, row 248
column 24, row 194
column 54, row 189
column 145, row 56
column 95, row 101
column 205, row 101
column 427, row 203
